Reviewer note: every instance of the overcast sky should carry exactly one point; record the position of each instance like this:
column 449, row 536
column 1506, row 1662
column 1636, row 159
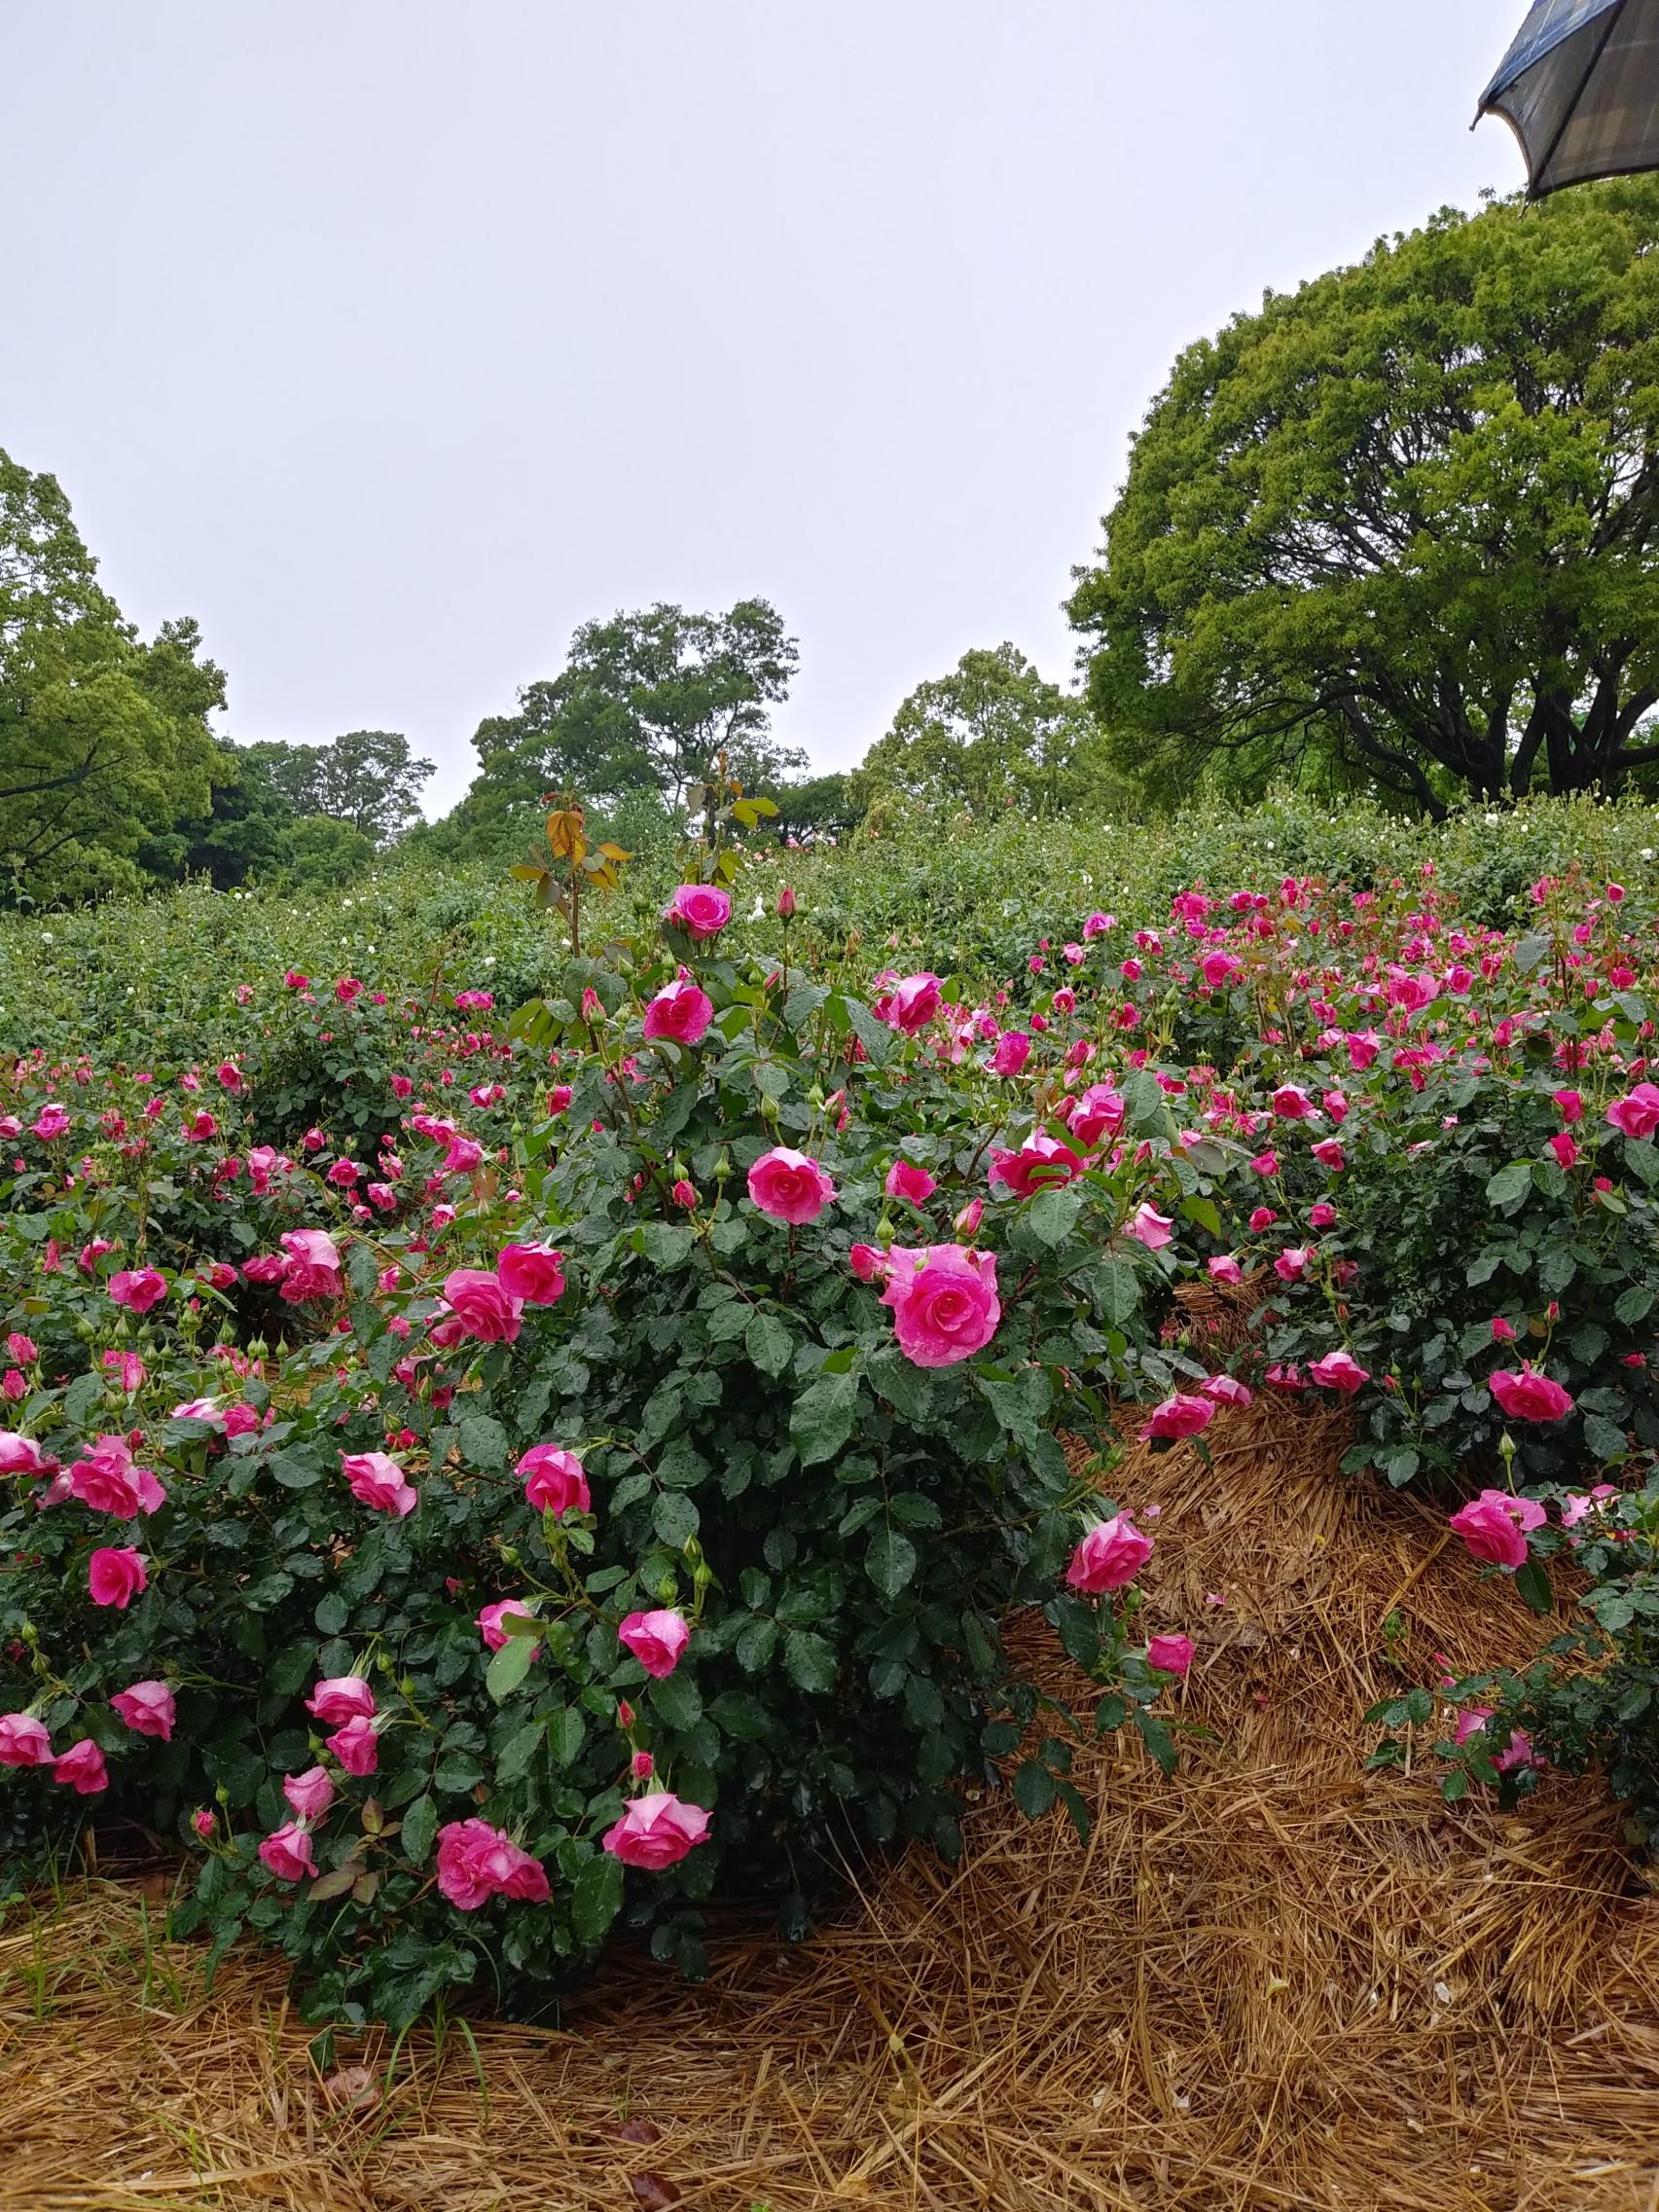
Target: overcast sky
column 393, row 338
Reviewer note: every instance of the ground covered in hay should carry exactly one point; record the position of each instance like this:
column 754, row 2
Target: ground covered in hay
column 1272, row 1981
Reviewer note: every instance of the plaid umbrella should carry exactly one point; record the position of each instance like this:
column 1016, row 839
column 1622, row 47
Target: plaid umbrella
column 1579, row 88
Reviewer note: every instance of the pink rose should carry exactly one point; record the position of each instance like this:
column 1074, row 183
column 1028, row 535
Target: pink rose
column 701, row 910
column 23, row 1741
column 656, row 1831
column 82, row 1769
column 287, row 1852
column 21, row 1455
column 913, row 1003
column 342, row 1697
column 481, row 1306
column 1329, row 1153
column 1570, row 1104
column 1228, row 1389
column 535, row 1274
column 1338, row 1372
column 906, row 1181
column 51, row 1121
column 1170, row 1655
column 679, row 1011
column 356, row 1746
column 312, row 1269
column 1565, row 1147
column 138, row 1288
column 1098, row 1114
column 310, row 1794
column 1472, row 1720
column 789, row 1187
column 1293, row 1264
column 1224, row 1268
column 1013, row 1050
column 22, row 1347
column 944, row 1303
column 1179, row 1416
column 1637, row 1115
column 1042, row 1160
column 107, row 1482
column 148, row 1709
column 115, row 1575
column 1493, row 1526
column 376, row 1480
column 1150, row 1228
column 1109, row 1557
column 1530, row 1396
column 1322, row 1216
column 555, row 1480
column 477, row 1861
column 491, row 1617
column 657, row 1639
column 868, row 1262
column 1292, row 1103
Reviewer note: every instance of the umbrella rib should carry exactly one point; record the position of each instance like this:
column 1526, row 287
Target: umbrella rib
column 1614, row 16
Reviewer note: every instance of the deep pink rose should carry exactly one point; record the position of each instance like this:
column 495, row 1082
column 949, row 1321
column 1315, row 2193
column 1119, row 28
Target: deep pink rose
column 287, row 1852
column 23, row 1741
column 312, row 1269
column 115, row 1575
column 867, row 1261
column 491, row 1617
column 657, row 1639
column 1493, row 1526
column 1097, row 1115
column 1637, row 1115
column 701, row 910
column 310, row 1794
column 82, row 1769
column 107, row 1482
column 1338, row 1372
column 1329, row 1153
column 944, row 1303
column 1013, row 1050
column 1109, row 1557
column 356, row 1746
column 1224, row 1268
column 138, row 1288
column 913, row 1003
column 1530, row 1396
column 1570, row 1104
column 481, row 1305
column 1293, row 1262
column 535, row 1274
column 1291, row 1102
column 376, row 1480
column 342, row 1697
column 906, row 1181
column 148, row 1709
column 555, row 1480
column 477, row 1861
column 1183, row 1415
column 1040, row 1162
column 1170, row 1654
column 679, row 1011
column 789, row 1187
column 656, row 1831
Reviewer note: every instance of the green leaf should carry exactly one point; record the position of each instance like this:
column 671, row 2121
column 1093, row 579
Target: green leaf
column 740, row 1715
column 1633, row 1304
column 1117, row 1292
column 332, row 1613
column 1605, row 1438
column 1510, row 1185
column 769, row 1343
column 80, row 1396
column 565, row 1733
column 1052, row 1214
column 890, row 1561
column 674, row 1518
column 821, row 1418
column 1206, row 1212
column 419, row 1829
column 483, row 1443
column 1454, row 1785
column 665, row 1244
column 1033, row 1789
column 802, row 1003
column 509, row 1667
column 809, row 1661
column 677, row 1701
column 1156, row 1737
column 294, row 1472
column 596, row 1898
column 1532, row 1584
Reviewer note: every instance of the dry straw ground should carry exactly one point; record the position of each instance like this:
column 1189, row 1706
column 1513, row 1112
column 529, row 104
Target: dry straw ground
column 1271, row 1982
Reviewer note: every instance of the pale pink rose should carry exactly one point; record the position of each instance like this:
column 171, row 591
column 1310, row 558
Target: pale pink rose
column 481, row 1307
column 656, row 1831
column 913, row 1003
column 1183, row 1415
column 107, row 1482
column 555, row 1480
column 1493, row 1527
column 21, row 1455
column 1293, row 1262
column 1013, row 1050
column 148, row 1709
column 115, row 1575
column 491, row 1616
column 204, row 1409
column 1041, row 1162
column 23, row 1741
column 680, row 1011
column 82, row 1769
column 1338, row 1372
column 477, row 1861
column 944, row 1303
column 1228, row 1389
column 1109, row 1557
column 342, row 1697
column 356, row 1746
column 535, row 1274
column 1170, row 1654
column 657, row 1639
column 138, row 1288
column 1472, row 1720
column 789, row 1187
column 1637, row 1115
column 376, row 1480
column 310, row 1794
column 51, row 1121
column 911, row 1183
column 1530, row 1396
column 1224, row 1268
column 287, row 1852
column 1150, row 1227
column 312, row 1269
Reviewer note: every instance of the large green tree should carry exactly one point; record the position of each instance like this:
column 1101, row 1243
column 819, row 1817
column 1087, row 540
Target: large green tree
column 647, row 700
column 368, row 778
column 102, row 737
column 1408, row 517
column 992, row 733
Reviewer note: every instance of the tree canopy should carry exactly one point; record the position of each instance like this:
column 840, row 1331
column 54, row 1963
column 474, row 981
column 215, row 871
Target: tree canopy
column 1407, row 516
column 366, row 778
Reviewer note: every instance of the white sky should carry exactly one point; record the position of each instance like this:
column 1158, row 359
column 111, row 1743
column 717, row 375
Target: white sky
column 393, row 338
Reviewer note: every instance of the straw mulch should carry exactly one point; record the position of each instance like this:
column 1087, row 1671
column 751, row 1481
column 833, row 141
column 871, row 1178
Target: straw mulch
column 1271, row 1982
